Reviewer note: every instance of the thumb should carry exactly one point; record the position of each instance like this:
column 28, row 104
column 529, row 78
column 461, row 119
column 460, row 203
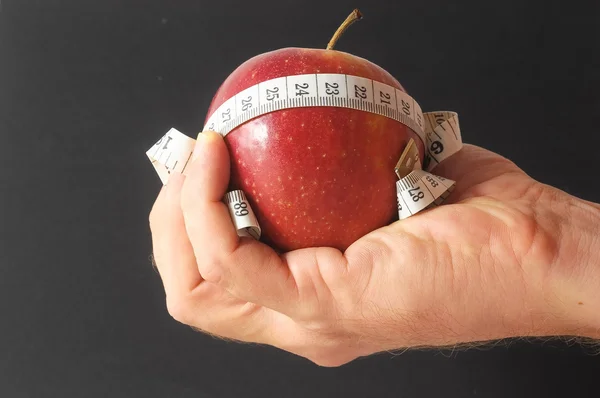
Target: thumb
column 209, row 171
column 207, row 221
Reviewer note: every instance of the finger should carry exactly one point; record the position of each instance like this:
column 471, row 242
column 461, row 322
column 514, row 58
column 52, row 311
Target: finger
column 474, row 164
column 246, row 268
column 220, row 314
column 173, row 253
column 212, row 310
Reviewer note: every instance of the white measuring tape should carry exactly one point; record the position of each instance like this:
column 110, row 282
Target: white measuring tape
column 417, row 189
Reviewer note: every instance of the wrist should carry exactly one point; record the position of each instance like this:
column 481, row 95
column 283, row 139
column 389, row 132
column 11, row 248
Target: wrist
column 573, row 279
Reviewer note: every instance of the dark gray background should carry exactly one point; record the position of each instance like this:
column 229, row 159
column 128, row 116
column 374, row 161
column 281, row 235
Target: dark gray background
column 86, row 87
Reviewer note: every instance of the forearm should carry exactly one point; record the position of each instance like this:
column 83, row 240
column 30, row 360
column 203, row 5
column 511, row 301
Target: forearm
column 574, row 278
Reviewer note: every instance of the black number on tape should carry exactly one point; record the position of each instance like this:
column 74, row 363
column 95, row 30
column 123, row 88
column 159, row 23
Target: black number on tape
column 272, row 94
column 419, row 120
column 241, row 209
column 212, row 126
column 360, row 92
column 385, row 98
column 406, row 107
column 167, row 143
column 301, row 89
column 399, row 204
column 332, row 88
column 439, row 118
column 246, row 103
column 416, row 194
column 431, row 181
column 226, row 116
column 437, row 147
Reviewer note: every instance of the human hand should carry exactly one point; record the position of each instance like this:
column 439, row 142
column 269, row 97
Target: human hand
column 496, row 260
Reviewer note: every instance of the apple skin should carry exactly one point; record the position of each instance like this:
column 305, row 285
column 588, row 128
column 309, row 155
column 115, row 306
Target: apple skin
column 315, row 176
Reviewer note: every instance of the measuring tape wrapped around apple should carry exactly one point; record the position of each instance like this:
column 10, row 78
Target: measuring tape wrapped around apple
column 416, row 189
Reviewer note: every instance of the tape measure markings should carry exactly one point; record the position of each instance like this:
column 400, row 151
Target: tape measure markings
column 416, row 198
column 188, row 160
column 431, row 193
column 434, row 159
column 453, row 132
column 242, row 215
column 400, row 208
column 442, row 147
column 317, row 90
column 234, row 196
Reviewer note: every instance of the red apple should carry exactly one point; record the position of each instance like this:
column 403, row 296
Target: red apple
column 315, row 176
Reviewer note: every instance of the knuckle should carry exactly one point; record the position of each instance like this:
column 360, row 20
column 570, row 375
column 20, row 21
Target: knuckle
column 180, row 309
column 331, row 349
column 330, row 358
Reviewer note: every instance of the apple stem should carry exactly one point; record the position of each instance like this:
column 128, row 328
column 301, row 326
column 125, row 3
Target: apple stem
column 353, row 17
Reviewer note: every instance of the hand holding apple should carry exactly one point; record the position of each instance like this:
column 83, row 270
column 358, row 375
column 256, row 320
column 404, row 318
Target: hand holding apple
column 425, row 281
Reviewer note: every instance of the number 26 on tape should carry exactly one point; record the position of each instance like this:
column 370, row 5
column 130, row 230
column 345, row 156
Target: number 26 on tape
column 246, row 103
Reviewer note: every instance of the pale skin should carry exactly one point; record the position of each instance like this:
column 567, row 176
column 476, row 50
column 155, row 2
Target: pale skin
column 505, row 256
